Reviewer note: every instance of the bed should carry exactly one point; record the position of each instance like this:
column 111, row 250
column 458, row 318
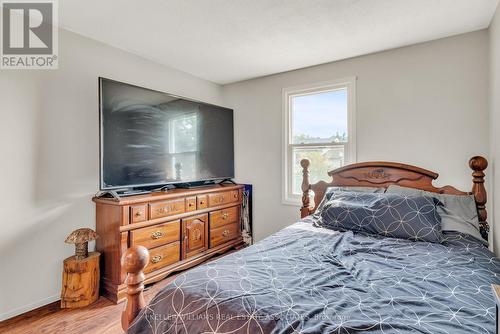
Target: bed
column 310, row 279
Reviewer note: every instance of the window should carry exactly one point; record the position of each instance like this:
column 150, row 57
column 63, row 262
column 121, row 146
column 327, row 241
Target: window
column 319, row 124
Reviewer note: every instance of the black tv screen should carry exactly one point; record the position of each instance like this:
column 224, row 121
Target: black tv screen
column 151, row 138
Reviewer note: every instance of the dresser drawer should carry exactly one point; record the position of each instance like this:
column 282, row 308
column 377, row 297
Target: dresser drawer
column 138, row 213
column 157, row 235
column 222, row 198
column 163, row 256
column 202, row 201
column 191, row 203
column 235, row 195
column 166, row 208
column 223, row 234
column 223, row 217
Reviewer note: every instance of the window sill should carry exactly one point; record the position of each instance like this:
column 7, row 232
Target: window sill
column 292, row 202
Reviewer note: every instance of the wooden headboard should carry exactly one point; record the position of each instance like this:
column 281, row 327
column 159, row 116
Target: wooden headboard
column 383, row 174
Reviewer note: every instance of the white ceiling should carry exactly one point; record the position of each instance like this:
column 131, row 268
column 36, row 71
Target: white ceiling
column 226, row 41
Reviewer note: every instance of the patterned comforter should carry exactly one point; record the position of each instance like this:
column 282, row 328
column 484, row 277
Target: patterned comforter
column 305, row 279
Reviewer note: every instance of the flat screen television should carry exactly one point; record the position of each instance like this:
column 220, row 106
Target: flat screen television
column 150, row 138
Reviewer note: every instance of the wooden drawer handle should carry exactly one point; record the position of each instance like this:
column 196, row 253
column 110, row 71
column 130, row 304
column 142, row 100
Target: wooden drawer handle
column 156, row 235
column 201, row 202
column 138, row 213
column 156, row 258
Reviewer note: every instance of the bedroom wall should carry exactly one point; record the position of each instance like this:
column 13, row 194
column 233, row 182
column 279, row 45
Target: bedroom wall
column 494, row 35
column 425, row 105
column 49, row 144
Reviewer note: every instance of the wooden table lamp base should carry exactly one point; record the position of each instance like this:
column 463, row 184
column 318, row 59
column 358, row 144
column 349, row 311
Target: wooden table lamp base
column 80, row 281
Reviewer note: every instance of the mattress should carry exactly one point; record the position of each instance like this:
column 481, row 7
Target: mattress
column 306, row 279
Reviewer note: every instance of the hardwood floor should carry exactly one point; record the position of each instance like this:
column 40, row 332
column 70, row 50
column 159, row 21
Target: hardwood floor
column 101, row 317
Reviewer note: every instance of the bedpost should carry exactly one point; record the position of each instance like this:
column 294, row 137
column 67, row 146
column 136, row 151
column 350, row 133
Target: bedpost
column 133, row 261
column 478, row 165
column 305, row 210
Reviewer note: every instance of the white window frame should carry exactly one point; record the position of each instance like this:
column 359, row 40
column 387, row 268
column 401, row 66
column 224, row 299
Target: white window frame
column 287, row 154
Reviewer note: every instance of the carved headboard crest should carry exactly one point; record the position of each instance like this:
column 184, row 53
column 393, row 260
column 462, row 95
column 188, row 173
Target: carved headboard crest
column 384, row 174
column 378, row 174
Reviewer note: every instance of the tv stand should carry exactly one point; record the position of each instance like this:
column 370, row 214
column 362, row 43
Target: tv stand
column 195, row 185
column 166, row 187
column 226, row 181
column 119, row 193
column 169, row 187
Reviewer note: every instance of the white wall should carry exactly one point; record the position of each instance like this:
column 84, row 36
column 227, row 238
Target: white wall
column 494, row 32
column 425, row 105
column 49, row 164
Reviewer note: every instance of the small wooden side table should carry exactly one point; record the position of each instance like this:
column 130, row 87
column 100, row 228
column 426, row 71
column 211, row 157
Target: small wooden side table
column 496, row 294
column 80, row 281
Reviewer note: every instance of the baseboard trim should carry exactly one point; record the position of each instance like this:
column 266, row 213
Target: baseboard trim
column 29, row 307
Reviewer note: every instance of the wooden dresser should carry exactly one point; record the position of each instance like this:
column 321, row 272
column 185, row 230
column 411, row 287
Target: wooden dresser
column 180, row 228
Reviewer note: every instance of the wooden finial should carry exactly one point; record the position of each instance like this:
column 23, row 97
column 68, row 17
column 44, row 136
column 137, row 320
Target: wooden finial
column 305, row 210
column 478, row 165
column 134, row 261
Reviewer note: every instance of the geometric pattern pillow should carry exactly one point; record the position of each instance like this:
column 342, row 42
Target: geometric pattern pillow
column 458, row 213
column 330, row 190
column 391, row 215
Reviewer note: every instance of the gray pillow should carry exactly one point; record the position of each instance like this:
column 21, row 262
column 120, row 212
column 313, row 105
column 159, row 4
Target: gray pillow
column 390, row 215
column 330, row 190
column 458, row 213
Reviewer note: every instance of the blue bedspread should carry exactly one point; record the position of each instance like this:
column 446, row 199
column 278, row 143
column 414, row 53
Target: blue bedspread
column 305, row 279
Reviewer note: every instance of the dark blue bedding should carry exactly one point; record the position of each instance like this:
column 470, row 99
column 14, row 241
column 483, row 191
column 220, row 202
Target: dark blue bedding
column 305, row 279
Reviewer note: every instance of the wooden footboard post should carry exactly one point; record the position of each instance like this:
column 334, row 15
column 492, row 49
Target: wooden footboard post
column 134, row 261
column 478, row 165
column 305, row 210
